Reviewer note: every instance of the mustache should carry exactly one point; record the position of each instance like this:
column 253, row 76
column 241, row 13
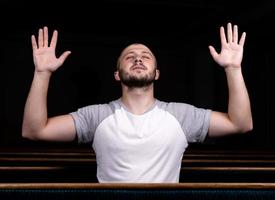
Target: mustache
column 138, row 66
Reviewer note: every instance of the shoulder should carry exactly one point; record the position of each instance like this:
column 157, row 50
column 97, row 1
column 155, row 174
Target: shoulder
column 182, row 110
column 98, row 109
column 173, row 106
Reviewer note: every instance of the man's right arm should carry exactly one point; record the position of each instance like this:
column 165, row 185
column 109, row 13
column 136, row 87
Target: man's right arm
column 36, row 124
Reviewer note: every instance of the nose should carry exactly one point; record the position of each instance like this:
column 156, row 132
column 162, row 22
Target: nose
column 138, row 59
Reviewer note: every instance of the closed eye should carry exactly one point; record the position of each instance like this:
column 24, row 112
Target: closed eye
column 146, row 57
column 129, row 57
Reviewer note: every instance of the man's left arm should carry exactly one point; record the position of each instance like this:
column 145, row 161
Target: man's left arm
column 238, row 119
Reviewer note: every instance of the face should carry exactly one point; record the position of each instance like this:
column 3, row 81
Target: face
column 137, row 66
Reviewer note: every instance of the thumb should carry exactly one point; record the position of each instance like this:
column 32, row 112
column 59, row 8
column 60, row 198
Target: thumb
column 63, row 57
column 213, row 52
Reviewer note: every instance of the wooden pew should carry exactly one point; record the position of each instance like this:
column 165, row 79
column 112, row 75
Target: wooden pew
column 79, row 165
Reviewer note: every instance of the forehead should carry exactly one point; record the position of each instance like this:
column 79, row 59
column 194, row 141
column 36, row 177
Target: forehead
column 136, row 48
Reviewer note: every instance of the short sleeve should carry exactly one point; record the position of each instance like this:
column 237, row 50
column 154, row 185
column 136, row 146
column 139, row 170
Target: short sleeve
column 194, row 121
column 87, row 119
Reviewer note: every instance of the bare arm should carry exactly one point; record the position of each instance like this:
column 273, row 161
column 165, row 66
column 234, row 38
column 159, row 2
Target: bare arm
column 36, row 124
column 238, row 119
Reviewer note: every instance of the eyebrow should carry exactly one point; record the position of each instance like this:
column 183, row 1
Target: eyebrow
column 146, row 52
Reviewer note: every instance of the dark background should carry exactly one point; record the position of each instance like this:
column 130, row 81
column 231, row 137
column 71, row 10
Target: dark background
column 177, row 31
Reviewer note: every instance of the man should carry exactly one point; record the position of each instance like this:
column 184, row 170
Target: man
column 137, row 138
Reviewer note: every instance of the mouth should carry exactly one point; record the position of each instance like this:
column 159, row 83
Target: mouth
column 138, row 67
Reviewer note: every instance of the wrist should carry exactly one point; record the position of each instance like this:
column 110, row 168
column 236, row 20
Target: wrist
column 42, row 74
column 233, row 66
column 233, row 71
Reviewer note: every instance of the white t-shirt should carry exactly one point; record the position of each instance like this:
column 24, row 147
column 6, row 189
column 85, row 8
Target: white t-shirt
column 145, row 148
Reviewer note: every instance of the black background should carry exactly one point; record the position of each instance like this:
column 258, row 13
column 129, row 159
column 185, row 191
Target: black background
column 178, row 32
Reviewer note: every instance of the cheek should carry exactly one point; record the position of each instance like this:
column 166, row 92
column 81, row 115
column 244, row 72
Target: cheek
column 151, row 64
column 125, row 65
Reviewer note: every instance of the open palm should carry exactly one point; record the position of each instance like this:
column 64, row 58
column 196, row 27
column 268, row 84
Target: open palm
column 231, row 49
column 44, row 56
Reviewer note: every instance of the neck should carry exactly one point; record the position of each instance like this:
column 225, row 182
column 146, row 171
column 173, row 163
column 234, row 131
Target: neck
column 138, row 100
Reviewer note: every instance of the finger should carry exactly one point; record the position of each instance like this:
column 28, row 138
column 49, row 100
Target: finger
column 235, row 34
column 242, row 40
column 40, row 38
column 222, row 35
column 46, row 36
column 229, row 32
column 54, row 39
column 34, row 44
column 63, row 57
column 213, row 52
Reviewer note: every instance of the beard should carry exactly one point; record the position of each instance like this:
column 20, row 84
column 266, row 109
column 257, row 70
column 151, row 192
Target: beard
column 135, row 81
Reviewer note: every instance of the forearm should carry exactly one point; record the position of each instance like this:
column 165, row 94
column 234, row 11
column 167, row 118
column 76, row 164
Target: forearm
column 239, row 110
column 35, row 113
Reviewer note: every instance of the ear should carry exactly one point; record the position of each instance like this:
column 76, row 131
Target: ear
column 116, row 74
column 157, row 74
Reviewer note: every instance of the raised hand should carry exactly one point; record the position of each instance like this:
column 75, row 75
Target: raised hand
column 44, row 56
column 231, row 49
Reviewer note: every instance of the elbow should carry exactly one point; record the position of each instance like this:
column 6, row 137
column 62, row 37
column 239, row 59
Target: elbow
column 247, row 128
column 28, row 134
column 25, row 132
